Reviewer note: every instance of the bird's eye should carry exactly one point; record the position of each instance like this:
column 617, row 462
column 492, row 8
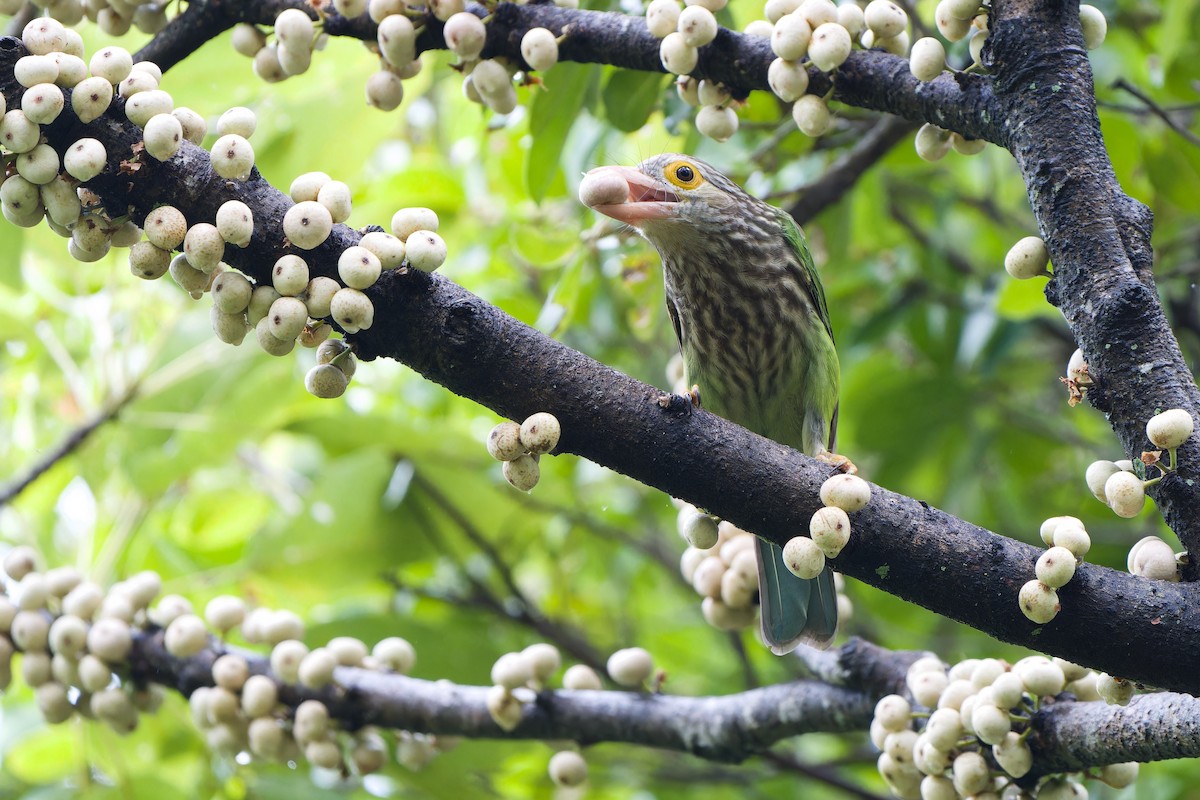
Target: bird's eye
column 683, row 174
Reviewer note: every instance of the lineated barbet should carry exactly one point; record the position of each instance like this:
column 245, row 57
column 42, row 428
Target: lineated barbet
column 750, row 315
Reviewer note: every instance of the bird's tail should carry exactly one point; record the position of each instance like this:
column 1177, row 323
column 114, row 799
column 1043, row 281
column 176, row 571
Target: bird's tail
column 793, row 610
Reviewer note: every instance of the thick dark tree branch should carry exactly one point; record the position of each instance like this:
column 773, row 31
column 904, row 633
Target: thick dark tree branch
column 1110, row 620
column 1067, row 736
column 1099, row 239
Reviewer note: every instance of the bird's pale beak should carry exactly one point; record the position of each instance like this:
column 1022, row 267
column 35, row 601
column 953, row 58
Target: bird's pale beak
column 627, row 195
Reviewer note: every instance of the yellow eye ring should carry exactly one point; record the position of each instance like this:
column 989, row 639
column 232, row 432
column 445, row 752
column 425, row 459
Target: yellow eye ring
column 683, row 174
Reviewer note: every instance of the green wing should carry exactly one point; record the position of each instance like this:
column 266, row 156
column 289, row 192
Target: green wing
column 816, row 292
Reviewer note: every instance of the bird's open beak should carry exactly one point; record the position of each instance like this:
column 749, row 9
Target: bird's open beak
column 627, row 195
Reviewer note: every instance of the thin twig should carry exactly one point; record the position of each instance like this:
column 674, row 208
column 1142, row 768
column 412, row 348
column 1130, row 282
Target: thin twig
column 64, row 448
column 1156, row 110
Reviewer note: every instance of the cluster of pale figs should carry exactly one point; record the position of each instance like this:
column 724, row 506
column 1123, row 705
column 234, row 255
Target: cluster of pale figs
column 939, row 749
column 518, row 677
column 520, row 446
column 75, row 639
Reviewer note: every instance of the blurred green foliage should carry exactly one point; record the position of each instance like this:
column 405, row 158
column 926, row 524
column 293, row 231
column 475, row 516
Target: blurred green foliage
column 225, row 476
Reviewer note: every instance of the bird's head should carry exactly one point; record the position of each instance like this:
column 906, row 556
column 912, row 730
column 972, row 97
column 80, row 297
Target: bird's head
column 666, row 197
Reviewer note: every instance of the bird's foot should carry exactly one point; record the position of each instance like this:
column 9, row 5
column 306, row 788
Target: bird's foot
column 688, row 400
column 839, row 462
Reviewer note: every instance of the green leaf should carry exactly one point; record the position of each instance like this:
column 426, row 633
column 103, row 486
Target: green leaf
column 552, row 114
column 630, row 97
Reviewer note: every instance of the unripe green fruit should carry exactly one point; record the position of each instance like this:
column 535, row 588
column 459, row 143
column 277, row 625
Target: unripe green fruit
column 286, row 656
column 504, row 442
column 397, row 39
column 17, row 133
column 567, row 768
column 425, row 250
column 990, row 723
column 465, row 35
column 318, row 295
column 395, row 654
column 927, row 687
column 259, row 695
column 1125, row 494
column 307, row 186
column 352, row 310
column 260, row 303
column 811, row 115
column 965, row 146
column 185, row 636
column 316, row 668
column 239, row 120
column 1051, row 524
column 1119, row 776
column 445, row 9
column 314, row 333
column 21, row 195
column 630, row 667
column 204, row 247
column 540, row 49
column 307, row 224
column 830, row 530
column 85, row 158
column 349, row 651
column 504, row 709
column 1098, row 473
column 143, row 106
column 540, row 433
column 32, row 70
column 1073, row 538
column 232, row 157
column 42, row 103
column 978, row 39
column 358, row 267
column 324, row 754
column 39, row 165
column 944, row 728
column 1041, row 676
column 1170, row 429
column 950, row 26
column 932, row 143
column 927, row 59
column 247, row 39
column 287, row 318
column 384, row 90
column 1038, row 602
column 1013, row 755
column 885, row 19
column 43, row 35
column 163, row 136
column 61, row 580
column 522, row 472
column 335, row 196
column 230, row 672
column 774, row 10
column 1094, row 25
column 688, row 89
column 1153, row 559
column 698, row 529
column 788, row 79
column 266, row 65
column 408, row 221
column 326, row 381
column 269, row 342
column 61, row 201
column 511, row 671
column 893, row 713
column 848, row 492
column 110, row 640
column 708, row 576
column 290, row 275
column 136, row 83
column 791, row 36
column 82, row 601
column 230, row 328
column 294, row 29
column 676, row 55
column 803, row 557
column 113, row 64
column 829, row 46
column 165, row 227
column 971, row 773
column 235, row 222
column 697, row 26
column 53, row 702
column 1055, row 568
column 194, row 126
column 580, row 677
column 662, row 17
column 1114, row 691
column 150, row 263
column 1028, row 258
column 718, row 123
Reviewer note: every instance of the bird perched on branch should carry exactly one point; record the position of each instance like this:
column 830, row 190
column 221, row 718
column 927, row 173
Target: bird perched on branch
column 750, row 315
